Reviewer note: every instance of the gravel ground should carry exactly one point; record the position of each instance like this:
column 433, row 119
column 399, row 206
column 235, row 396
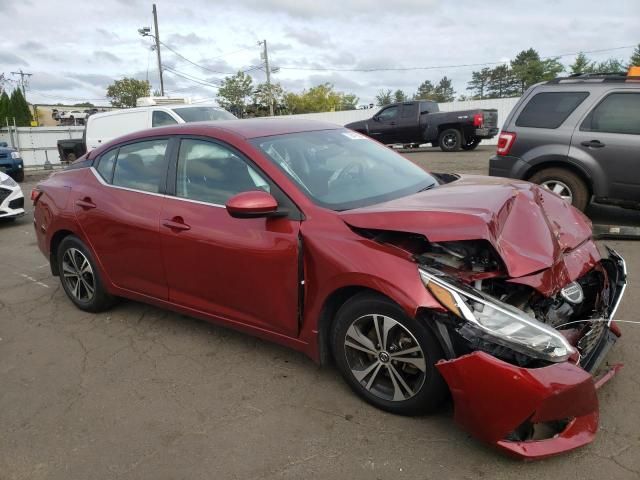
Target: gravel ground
column 139, row 392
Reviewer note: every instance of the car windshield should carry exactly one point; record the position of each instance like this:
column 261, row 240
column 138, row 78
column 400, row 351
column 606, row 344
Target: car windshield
column 340, row 169
column 203, row 114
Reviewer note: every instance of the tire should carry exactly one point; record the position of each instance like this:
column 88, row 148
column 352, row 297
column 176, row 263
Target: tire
column 561, row 180
column 470, row 144
column 71, row 257
column 19, row 176
column 426, row 388
column 450, row 140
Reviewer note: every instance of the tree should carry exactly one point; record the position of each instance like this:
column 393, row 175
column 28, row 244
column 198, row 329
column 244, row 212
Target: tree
column 528, row 68
column 635, row 57
column 20, row 109
column 235, row 92
column 581, row 64
column 124, row 93
column 384, row 98
column 350, row 101
column 321, row 98
column 399, row 96
column 262, row 95
column 502, row 83
column 479, row 83
column 611, row 65
column 444, row 91
column 84, row 104
column 425, row 91
column 5, row 108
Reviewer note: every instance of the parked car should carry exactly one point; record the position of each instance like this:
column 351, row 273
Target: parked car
column 11, row 162
column 318, row 238
column 577, row 136
column 11, row 198
column 104, row 127
column 421, row 122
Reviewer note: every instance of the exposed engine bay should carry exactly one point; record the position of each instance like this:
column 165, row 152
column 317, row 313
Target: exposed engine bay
column 577, row 311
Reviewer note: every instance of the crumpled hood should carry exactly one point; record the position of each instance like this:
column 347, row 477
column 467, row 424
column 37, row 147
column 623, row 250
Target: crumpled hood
column 529, row 227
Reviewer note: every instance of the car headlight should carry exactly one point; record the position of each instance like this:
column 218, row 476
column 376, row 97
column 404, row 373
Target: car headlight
column 8, row 181
column 497, row 321
column 15, row 155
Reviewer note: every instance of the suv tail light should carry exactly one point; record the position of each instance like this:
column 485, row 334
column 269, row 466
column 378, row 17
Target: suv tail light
column 505, row 142
column 35, row 195
column 478, row 120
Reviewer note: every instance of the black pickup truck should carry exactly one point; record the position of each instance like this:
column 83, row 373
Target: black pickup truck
column 421, row 121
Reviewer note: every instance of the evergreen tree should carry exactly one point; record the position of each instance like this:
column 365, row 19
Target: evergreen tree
column 528, row 68
column 399, row 96
column 425, row 91
column 581, row 65
column 5, row 108
column 384, row 97
column 635, row 57
column 20, row 109
column 611, row 65
column 502, row 83
column 444, row 91
column 479, row 83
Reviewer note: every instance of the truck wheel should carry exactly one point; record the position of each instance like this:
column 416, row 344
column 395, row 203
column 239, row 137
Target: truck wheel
column 564, row 183
column 19, row 176
column 471, row 143
column 450, row 140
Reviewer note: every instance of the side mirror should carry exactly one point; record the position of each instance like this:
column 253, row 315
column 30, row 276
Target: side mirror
column 376, row 118
column 253, row 204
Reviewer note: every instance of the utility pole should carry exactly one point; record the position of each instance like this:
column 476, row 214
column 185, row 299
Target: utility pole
column 265, row 56
column 22, row 82
column 157, row 37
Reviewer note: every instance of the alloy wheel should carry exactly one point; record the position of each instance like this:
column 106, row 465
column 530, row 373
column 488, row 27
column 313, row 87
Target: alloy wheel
column 385, row 357
column 78, row 275
column 450, row 140
column 559, row 188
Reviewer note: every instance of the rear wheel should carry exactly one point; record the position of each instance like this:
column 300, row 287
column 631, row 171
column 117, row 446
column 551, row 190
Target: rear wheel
column 386, row 357
column 450, row 140
column 80, row 278
column 564, row 183
column 471, row 143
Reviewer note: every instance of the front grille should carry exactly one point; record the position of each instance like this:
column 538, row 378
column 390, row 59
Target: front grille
column 591, row 338
column 17, row 203
column 4, row 193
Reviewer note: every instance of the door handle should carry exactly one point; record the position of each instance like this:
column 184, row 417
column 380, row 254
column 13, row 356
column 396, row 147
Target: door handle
column 176, row 223
column 592, row 144
column 85, row 203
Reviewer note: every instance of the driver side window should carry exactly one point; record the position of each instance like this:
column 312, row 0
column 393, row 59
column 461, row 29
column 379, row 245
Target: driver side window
column 388, row 113
column 212, row 173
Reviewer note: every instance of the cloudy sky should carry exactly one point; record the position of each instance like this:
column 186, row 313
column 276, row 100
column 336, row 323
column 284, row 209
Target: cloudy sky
column 75, row 49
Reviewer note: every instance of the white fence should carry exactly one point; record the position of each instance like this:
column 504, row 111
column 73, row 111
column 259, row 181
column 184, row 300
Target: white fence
column 40, row 143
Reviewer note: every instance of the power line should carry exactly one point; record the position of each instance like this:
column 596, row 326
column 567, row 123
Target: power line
column 193, row 79
column 437, row 67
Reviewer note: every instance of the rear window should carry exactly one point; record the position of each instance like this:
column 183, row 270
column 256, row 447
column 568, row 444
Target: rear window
column 550, row 109
column 618, row 113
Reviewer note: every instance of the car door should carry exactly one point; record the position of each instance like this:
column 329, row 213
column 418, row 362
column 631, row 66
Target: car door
column 383, row 125
column 118, row 210
column 609, row 139
column 240, row 270
column 407, row 123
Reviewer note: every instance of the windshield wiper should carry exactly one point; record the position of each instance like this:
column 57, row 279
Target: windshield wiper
column 428, row 187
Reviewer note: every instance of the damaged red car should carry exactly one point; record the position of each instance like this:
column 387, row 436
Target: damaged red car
column 418, row 286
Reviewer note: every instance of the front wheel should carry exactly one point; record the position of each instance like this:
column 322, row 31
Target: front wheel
column 386, row 357
column 450, row 140
column 471, row 144
column 80, row 278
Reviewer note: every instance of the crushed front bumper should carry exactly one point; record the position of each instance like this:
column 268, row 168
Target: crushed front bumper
column 534, row 413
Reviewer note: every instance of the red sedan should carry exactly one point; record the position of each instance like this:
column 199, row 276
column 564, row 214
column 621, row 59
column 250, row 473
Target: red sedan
column 315, row 237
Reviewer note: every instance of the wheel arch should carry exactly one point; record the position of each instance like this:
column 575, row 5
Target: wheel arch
column 581, row 173
column 56, row 240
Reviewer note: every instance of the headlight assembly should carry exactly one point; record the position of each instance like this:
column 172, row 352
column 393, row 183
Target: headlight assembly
column 15, row 155
column 8, row 181
column 499, row 322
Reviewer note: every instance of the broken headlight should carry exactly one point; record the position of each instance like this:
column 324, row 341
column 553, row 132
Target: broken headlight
column 497, row 321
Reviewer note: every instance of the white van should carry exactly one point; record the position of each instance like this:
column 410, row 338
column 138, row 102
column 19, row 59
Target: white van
column 104, row 127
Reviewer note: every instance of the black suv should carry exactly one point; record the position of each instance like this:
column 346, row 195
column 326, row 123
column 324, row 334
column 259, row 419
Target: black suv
column 577, row 136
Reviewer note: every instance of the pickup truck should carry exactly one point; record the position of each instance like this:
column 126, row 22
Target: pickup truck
column 421, row 121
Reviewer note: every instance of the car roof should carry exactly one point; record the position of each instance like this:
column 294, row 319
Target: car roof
column 148, row 107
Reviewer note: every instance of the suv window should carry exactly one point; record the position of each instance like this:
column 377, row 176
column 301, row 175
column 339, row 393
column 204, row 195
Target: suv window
column 161, row 119
column 105, row 166
column 409, row 110
column 388, row 113
column 209, row 172
column 141, row 165
column 617, row 113
column 549, row 109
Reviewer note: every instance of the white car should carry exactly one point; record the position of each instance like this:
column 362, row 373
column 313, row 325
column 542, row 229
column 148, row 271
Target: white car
column 11, row 198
